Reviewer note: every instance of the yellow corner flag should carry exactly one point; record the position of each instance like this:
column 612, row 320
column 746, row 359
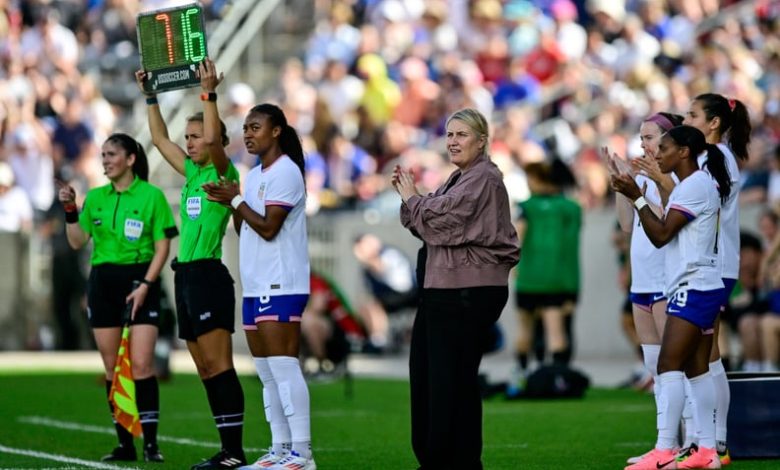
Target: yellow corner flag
column 122, row 394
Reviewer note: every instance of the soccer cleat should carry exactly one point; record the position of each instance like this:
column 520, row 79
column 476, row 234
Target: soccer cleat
column 640, row 457
column 223, row 459
column 516, row 383
column 121, row 454
column 702, row 457
column 152, row 453
column 686, row 452
column 293, row 461
column 656, row 459
column 267, row 460
column 723, row 453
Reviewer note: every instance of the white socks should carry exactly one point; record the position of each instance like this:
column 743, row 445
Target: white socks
column 274, row 414
column 690, row 417
column 650, row 354
column 670, row 405
column 722, row 399
column 294, row 397
column 703, row 393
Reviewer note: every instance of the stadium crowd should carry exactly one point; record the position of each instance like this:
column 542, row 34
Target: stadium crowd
column 377, row 78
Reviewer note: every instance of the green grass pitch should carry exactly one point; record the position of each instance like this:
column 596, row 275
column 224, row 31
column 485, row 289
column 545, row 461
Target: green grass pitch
column 60, row 421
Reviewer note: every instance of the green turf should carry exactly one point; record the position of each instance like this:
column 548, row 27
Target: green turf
column 368, row 431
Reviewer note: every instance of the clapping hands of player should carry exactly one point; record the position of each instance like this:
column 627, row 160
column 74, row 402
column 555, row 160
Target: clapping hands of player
column 616, row 165
column 222, row 191
column 648, row 166
column 621, row 174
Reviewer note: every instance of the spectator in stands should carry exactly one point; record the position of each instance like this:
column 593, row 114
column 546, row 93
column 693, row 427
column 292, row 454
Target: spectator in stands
column 392, row 287
column 240, row 99
column 73, row 144
column 746, row 305
column 329, row 326
column 49, row 46
column 30, row 159
column 16, row 212
column 68, row 284
column 770, row 323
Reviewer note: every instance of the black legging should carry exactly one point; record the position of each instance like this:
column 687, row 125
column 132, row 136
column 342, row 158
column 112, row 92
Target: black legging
column 449, row 336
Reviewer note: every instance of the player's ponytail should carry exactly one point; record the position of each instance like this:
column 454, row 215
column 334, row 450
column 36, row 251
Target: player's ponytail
column 132, row 147
column 734, row 120
column 716, row 166
column 289, row 141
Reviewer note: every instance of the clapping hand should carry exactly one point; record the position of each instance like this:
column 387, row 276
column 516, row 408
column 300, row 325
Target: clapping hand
column 616, row 165
column 403, row 182
column 648, row 166
column 222, row 191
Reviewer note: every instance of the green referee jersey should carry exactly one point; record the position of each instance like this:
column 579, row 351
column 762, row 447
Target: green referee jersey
column 125, row 225
column 203, row 222
column 549, row 261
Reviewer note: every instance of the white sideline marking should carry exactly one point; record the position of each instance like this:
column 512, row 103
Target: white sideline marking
column 71, row 426
column 62, row 458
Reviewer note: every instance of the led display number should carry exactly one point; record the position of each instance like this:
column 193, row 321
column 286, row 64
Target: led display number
column 172, row 43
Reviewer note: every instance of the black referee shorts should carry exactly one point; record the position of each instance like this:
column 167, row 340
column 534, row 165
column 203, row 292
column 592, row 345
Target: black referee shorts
column 205, row 299
column 107, row 288
column 532, row 301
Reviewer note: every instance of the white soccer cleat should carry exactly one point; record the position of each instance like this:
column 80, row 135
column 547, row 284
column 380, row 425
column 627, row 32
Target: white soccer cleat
column 265, row 461
column 293, row 461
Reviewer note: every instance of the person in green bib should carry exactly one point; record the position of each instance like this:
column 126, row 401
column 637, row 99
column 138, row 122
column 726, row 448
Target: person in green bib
column 205, row 299
column 548, row 274
column 130, row 224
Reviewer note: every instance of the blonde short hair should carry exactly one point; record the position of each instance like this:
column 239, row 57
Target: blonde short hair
column 474, row 119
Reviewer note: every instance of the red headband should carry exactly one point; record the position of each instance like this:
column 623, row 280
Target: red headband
column 663, row 122
column 732, row 104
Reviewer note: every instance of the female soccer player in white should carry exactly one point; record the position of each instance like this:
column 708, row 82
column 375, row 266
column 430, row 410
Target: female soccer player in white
column 274, row 267
column 689, row 229
column 718, row 118
column 647, row 262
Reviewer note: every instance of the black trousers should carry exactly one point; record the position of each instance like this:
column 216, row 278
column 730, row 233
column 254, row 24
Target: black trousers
column 450, row 333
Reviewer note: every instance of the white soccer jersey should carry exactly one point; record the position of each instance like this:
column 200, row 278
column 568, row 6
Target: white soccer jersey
column 279, row 266
column 729, row 217
column 692, row 259
column 647, row 261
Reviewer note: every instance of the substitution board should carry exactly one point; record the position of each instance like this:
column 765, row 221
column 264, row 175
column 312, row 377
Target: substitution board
column 172, row 43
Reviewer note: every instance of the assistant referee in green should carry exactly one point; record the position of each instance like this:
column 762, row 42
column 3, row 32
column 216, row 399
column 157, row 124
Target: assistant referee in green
column 131, row 226
column 205, row 296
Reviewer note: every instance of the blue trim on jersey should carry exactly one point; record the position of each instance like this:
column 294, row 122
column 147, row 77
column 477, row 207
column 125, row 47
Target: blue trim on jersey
column 279, row 308
column 696, row 306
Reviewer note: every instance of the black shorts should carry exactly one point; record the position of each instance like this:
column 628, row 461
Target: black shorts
column 746, row 304
column 394, row 302
column 107, row 288
column 205, row 299
column 530, row 302
column 628, row 306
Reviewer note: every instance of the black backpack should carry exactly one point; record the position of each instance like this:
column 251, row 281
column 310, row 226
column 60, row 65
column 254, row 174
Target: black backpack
column 556, row 382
